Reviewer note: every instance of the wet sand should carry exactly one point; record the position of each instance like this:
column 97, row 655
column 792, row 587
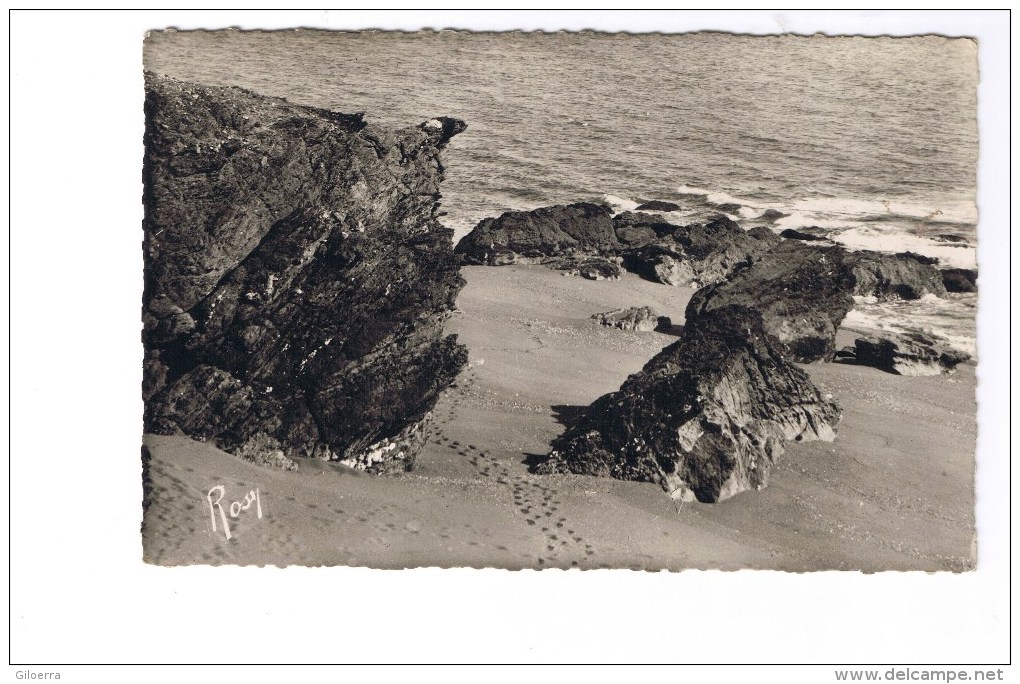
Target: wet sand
column 893, row 492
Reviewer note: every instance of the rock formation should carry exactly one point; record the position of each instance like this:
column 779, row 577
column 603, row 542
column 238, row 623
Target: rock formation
column 708, row 416
column 705, row 418
column 519, row 236
column 959, row 279
column 792, row 234
column 801, row 292
column 908, row 354
column 658, row 205
column 585, row 238
column 719, row 248
column 889, row 276
column 639, row 318
column 296, row 275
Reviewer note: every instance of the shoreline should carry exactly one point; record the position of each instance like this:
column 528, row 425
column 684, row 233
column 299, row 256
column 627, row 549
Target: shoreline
column 893, row 492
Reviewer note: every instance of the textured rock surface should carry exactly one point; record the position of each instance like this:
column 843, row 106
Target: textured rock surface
column 802, row 292
column 908, row 354
column 720, row 247
column 688, row 256
column 959, row 279
column 706, row 418
column 639, row 318
column 566, row 235
column 296, row 275
column 890, row 276
column 636, row 229
column 661, row 264
column 590, row 267
column 549, row 231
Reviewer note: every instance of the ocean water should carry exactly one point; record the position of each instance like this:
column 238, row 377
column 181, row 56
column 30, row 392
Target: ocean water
column 870, row 141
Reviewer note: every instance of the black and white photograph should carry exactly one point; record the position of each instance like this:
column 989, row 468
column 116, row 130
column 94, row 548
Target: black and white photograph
column 525, row 337
column 574, row 300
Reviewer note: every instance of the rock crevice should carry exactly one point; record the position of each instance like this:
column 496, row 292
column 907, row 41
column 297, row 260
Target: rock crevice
column 296, row 274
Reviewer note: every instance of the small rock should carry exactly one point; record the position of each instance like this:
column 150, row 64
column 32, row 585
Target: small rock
column 658, row 205
column 911, row 354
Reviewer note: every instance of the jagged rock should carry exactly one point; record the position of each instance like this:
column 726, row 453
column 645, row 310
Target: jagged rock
column 908, row 354
column 959, row 279
column 393, row 454
column 802, row 292
column 266, row 451
column 658, row 205
column 544, row 232
column 590, row 267
column 296, row 276
column 661, row 265
column 634, row 229
column 639, row 318
column 905, row 275
column 706, row 418
column 694, row 255
column 660, row 251
column 729, row 208
column 792, row 234
column 720, row 247
column 950, row 238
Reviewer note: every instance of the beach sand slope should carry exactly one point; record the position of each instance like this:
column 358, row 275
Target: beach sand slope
column 893, row 492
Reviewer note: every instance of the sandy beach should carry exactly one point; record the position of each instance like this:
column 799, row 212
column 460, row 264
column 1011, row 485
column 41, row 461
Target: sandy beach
column 893, row 492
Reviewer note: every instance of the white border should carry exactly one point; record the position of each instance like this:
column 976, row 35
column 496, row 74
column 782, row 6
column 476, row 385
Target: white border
column 81, row 593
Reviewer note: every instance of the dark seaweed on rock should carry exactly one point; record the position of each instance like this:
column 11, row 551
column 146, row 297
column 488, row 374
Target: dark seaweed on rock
column 706, row 418
column 296, row 275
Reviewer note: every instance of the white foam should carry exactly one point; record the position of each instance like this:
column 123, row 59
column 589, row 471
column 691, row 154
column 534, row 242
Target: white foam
column 620, row 204
column 951, row 320
column 852, row 222
column 888, row 239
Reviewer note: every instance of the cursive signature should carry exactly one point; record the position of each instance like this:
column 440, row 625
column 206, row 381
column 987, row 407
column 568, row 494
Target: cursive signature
column 235, row 508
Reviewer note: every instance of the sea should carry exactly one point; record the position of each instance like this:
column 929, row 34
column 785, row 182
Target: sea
column 869, row 141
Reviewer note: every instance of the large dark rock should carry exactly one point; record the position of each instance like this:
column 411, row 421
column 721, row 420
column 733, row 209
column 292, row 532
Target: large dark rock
column 658, row 205
column 720, row 247
column 296, row 275
column 636, row 229
column 689, row 256
column 792, row 234
column 660, row 264
column 959, row 279
column 660, row 251
column 706, row 418
column 548, row 231
column 802, row 293
column 890, row 276
column 908, row 354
